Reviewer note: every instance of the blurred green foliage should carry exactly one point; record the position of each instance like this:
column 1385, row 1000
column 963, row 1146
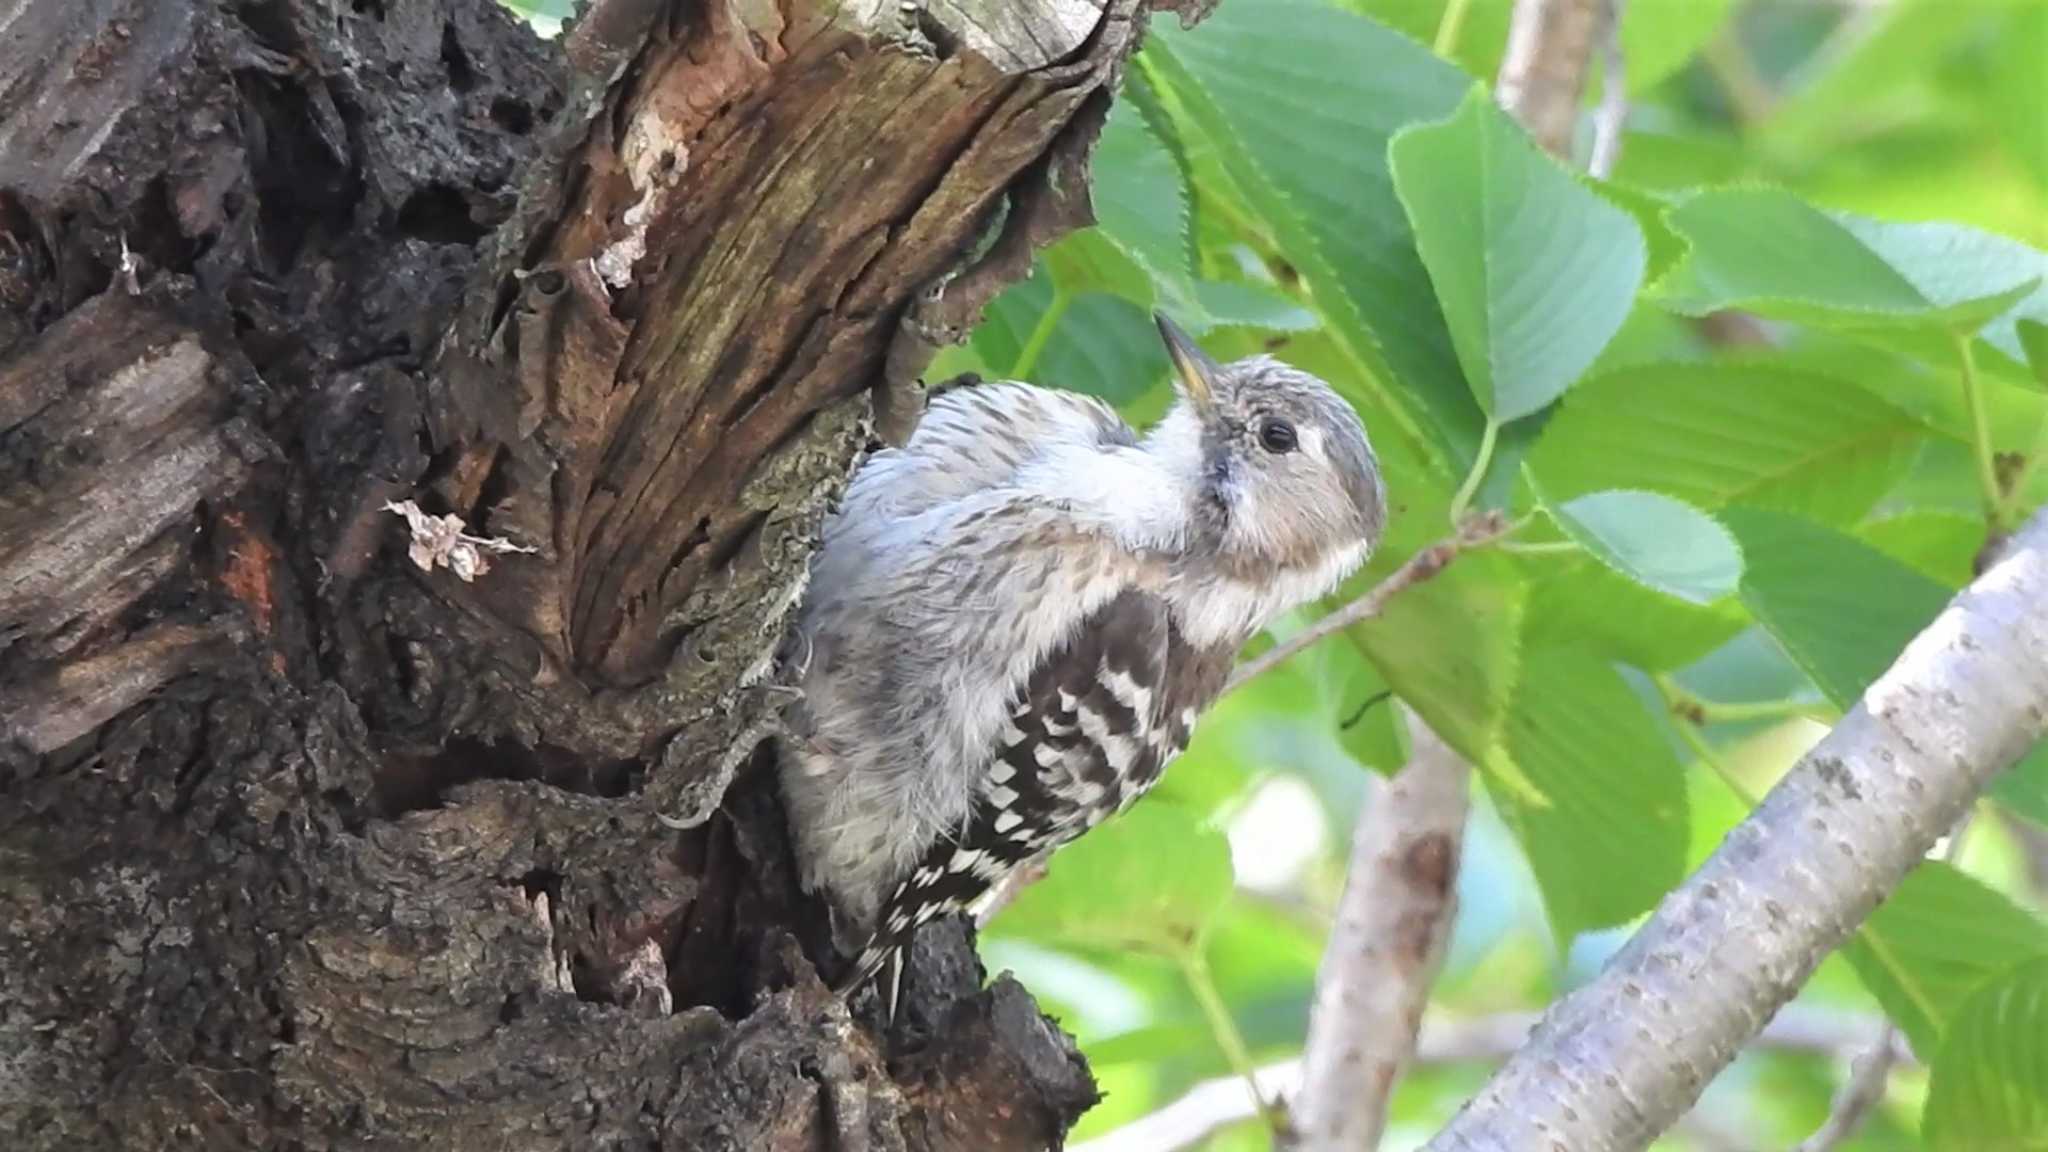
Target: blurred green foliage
column 1745, row 532
column 1726, row 537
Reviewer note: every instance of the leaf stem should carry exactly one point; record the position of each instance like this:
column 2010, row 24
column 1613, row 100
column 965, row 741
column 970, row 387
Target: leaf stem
column 1477, row 475
column 1041, row 335
column 1541, row 547
column 1705, row 751
column 1980, row 435
column 1699, row 711
column 1448, row 29
column 2016, row 492
column 1194, row 967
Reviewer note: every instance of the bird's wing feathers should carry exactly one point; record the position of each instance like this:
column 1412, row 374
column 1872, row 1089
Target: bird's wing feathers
column 980, row 437
column 1092, row 729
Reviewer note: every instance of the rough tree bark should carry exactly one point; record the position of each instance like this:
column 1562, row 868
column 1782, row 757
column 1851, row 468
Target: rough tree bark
column 302, row 845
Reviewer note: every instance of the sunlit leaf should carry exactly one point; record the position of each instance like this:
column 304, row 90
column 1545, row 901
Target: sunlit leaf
column 2033, row 340
column 1939, row 544
column 2016, row 88
column 1659, row 37
column 1724, row 433
column 1990, row 1082
column 1659, row 542
column 1089, row 261
column 1533, row 271
column 1766, row 251
column 1933, row 942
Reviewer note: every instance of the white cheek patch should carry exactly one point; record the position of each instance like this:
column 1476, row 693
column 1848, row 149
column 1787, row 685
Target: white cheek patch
column 1311, row 439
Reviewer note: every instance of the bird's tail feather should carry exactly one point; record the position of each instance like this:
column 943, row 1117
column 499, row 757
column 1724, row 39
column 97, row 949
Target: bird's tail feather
column 877, row 956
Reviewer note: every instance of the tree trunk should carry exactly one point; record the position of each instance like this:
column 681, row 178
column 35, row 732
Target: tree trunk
column 305, row 844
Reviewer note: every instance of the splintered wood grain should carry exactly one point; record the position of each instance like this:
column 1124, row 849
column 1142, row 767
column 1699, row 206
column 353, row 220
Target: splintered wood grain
column 771, row 189
column 110, row 434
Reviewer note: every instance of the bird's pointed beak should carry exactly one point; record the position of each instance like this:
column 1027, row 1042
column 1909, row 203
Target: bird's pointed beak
column 1192, row 367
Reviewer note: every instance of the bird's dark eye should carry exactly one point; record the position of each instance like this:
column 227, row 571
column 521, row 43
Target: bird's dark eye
column 1276, row 436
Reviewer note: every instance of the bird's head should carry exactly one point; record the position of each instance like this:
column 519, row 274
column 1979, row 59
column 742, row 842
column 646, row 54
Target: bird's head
column 1286, row 484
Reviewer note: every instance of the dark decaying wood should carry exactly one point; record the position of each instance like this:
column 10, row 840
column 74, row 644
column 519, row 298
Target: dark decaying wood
column 304, row 846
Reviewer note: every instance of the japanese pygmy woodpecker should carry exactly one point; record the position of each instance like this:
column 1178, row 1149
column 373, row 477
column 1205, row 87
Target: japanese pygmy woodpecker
column 1014, row 620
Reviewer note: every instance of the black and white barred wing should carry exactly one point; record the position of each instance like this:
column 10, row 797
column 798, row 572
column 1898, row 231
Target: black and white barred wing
column 1093, row 729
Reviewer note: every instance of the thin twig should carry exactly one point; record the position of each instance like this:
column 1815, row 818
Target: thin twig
column 1476, row 532
column 1543, row 75
column 1612, row 115
column 1868, row 1075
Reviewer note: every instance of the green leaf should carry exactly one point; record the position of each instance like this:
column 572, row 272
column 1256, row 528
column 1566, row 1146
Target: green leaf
column 1362, row 708
column 1657, row 541
column 2015, row 95
column 1661, row 245
column 1841, row 609
column 1141, row 247
column 1298, row 100
column 1657, row 39
column 1989, row 1085
column 1581, row 602
column 1934, row 942
column 1141, row 202
column 2032, row 336
column 2023, row 788
column 1103, row 345
column 1722, row 433
column 1088, row 341
column 1149, row 880
column 1975, row 278
column 1089, row 261
column 1766, row 251
column 1939, row 544
column 1533, row 271
column 1448, row 648
column 1869, row 65
column 1240, row 304
column 1594, row 792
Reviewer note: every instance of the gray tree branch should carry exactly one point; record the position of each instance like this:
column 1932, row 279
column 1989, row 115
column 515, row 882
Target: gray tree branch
column 1386, row 947
column 1397, row 906
column 1623, row 1058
